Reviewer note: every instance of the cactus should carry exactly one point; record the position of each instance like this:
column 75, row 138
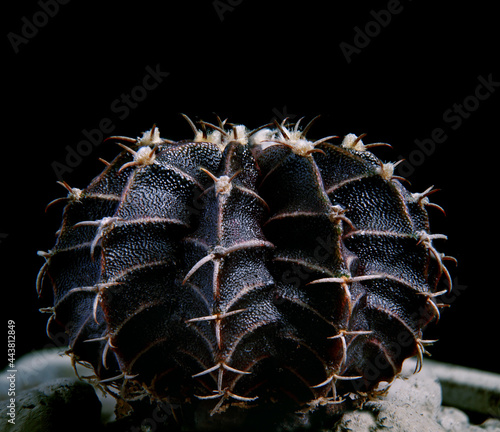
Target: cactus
column 243, row 269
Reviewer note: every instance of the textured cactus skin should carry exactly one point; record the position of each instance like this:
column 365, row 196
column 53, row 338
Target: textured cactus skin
column 241, row 268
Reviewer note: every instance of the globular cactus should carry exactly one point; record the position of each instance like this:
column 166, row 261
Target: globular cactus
column 245, row 268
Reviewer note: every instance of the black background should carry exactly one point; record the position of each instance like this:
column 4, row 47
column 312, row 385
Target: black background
column 251, row 61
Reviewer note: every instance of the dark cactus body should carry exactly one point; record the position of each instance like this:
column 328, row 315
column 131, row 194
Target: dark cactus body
column 244, row 269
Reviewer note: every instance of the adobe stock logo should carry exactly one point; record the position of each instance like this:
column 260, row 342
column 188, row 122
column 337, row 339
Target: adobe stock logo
column 453, row 118
column 363, row 36
column 225, row 6
column 120, row 107
column 31, row 26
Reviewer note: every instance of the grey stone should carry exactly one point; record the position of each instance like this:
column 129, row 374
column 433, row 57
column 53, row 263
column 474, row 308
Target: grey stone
column 467, row 388
column 38, row 367
column 492, row 425
column 420, row 392
column 359, row 421
column 413, row 402
column 410, row 405
column 61, row 405
column 398, row 418
column 46, row 365
column 455, row 420
column 452, row 419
